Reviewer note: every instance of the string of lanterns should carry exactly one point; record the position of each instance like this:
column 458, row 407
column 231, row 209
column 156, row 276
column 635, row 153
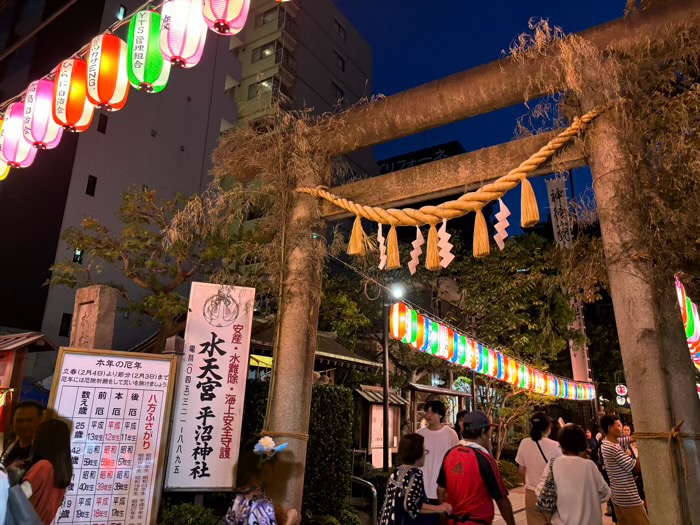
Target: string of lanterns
column 100, row 74
column 440, row 340
column 691, row 323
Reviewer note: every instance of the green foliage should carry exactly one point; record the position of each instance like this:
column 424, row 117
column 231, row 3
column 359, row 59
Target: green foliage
column 329, row 456
column 254, row 409
column 187, row 514
column 348, row 517
column 514, row 299
column 324, row 520
column 138, row 252
column 509, row 473
column 340, row 312
column 379, row 479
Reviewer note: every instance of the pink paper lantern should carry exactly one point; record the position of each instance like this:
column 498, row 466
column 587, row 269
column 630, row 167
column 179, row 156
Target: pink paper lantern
column 226, row 17
column 39, row 127
column 17, row 152
column 183, row 32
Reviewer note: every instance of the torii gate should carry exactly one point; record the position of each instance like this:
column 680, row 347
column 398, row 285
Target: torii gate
column 654, row 351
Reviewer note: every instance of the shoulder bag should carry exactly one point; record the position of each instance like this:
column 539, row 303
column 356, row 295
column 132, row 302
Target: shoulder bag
column 547, row 500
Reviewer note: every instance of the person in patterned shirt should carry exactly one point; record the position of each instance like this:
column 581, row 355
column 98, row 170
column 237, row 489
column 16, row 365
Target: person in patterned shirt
column 405, row 500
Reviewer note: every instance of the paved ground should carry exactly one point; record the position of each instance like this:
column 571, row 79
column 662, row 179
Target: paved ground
column 517, row 499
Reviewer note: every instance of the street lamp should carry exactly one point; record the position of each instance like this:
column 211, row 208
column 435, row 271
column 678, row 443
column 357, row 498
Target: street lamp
column 394, row 291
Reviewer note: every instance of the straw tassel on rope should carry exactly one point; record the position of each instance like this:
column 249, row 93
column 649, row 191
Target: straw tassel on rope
column 432, row 257
column 529, row 212
column 481, row 236
column 392, row 248
column 358, row 239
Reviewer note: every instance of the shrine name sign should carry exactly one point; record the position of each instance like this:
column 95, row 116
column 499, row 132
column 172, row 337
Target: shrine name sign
column 208, row 411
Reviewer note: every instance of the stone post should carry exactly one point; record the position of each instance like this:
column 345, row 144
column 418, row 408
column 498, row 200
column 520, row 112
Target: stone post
column 657, row 366
column 93, row 317
column 289, row 404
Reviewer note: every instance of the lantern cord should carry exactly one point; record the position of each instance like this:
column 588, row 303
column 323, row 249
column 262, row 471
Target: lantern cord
column 419, row 308
column 469, row 202
column 82, row 52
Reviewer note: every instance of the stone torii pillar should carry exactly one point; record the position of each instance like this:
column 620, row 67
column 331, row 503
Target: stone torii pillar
column 659, row 374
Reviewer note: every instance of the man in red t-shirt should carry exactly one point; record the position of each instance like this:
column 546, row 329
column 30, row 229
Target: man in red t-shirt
column 469, row 479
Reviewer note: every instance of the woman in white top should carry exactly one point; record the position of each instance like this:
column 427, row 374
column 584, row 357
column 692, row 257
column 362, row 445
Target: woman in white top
column 581, row 490
column 533, row 455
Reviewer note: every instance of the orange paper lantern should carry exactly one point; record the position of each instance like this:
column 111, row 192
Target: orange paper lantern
column 71, row 107
column 107, row 78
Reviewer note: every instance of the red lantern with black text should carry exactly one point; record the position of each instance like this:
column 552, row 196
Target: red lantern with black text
column 107, row 78
column 71, row 107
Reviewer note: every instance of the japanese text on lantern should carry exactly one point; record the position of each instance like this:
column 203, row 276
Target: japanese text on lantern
column 211, row 389
column 116, row 406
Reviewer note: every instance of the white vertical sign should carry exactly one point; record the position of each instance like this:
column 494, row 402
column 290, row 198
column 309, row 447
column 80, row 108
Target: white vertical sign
column 118, row 408
column 206, row 431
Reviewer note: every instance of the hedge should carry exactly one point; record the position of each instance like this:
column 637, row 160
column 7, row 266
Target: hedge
column 329, row 455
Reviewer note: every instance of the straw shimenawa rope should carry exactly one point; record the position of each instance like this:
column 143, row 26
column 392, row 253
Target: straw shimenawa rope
column 674, row 435
column 469, row 202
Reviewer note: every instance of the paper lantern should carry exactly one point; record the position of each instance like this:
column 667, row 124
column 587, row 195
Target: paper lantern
column 183, row 32
column 434, row 338
column 397, row 320
column 4, row 168
column 226, row 17
column 446, row 342
column 420, row 331
column 14, row 149
column 108, row 80
column 71, row 107
column 461, row 353
column 38, row 127
column 500, row 366
column 411, row 326
column 146, row 69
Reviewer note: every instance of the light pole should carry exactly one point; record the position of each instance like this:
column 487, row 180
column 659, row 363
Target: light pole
column 394, row 291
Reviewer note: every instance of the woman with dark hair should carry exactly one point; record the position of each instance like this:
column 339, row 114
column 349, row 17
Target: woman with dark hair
column 459, row 422
column 45, row 482
column 405, row 495
column 580, row 488
column 533, row 454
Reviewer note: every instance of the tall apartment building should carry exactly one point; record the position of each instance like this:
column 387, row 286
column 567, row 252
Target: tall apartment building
column 159, row 141
column 304, row 48
column 306, row 54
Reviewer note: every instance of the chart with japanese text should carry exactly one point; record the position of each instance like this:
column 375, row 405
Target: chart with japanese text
column 116, row 404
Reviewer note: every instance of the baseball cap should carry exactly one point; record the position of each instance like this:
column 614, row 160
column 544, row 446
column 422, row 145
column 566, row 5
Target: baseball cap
column 476, row 419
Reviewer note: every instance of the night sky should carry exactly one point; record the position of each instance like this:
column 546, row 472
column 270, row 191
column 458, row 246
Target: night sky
column 416, row 41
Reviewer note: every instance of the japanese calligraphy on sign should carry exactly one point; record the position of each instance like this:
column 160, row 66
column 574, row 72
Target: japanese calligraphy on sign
column 118, row 408
column 206, row 427
column 559, row 208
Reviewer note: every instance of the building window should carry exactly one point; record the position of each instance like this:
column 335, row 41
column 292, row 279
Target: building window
column 266, row 17
column 339, row 61
column 64, row 329
column 102, row 124
column 338, row 93
column 154, row 133
column 260, row 88
column 92, row 183
column 122, row 12
column 340, row 30
column 263, row 51
column 78, row 256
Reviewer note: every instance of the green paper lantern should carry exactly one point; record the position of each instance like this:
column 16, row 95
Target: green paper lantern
column 147, row 69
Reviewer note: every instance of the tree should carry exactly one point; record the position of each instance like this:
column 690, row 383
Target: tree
column 139, row 253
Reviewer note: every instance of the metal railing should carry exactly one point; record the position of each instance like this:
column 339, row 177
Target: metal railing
column 373, row 490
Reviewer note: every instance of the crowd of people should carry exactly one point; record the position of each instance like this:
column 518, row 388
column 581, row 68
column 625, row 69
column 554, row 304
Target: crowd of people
column 36, row 467
column 448, row 475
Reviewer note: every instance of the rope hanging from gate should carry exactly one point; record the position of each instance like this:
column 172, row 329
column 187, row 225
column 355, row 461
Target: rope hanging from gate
column 675, row 435
column 469, row 202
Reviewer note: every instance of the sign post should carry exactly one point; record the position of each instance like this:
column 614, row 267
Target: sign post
column 118, row 407
column 206, row 430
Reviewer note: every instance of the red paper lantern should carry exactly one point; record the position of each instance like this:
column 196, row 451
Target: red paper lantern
column 107, row 78
column 397, row 318
column 71, row 107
